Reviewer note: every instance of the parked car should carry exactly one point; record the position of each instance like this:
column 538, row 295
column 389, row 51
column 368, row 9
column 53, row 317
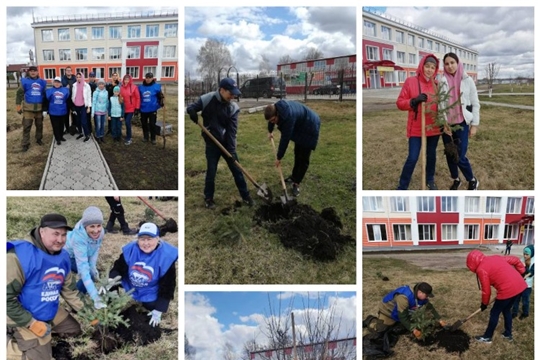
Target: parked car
column 326, row 90
column 265, row 87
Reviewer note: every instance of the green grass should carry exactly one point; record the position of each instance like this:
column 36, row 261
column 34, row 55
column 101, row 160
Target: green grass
column 456, row 297
column 527, row 100
column 509, row 88
column 231, row 249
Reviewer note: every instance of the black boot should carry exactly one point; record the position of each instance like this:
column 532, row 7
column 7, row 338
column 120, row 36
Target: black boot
column 127, row 231
column 110, row 228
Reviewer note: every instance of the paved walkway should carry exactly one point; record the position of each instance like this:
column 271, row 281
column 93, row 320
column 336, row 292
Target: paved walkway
column 76, row 165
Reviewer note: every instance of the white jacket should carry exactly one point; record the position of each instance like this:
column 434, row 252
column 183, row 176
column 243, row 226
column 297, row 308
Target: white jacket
column 87, row 94
column 469, row 96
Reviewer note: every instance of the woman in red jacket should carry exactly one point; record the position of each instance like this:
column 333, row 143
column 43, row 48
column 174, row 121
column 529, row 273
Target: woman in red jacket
column 416, row 90
column 504, row 273
column 132, row 103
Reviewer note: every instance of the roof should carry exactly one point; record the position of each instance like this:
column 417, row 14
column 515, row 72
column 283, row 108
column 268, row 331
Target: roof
column 16, row 67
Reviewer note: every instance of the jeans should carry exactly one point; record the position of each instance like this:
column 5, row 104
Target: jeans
column 57, row 122
column 525, row 297
column 213, row 154
column 504, row 307
column 148, row 122
column 461, row 139
column 415, row 144
column 301, row 163
column 100, row 125
column 116, row 127
column 127, row 119
column 82, row 120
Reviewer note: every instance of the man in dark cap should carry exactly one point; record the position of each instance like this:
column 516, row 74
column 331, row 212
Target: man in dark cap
column 220, row 118
column 38, row 273
column 152, row 100
column 29, row 100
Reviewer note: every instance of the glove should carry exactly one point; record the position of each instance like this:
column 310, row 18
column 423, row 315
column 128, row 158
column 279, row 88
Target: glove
column 483, row 307
column 44, row 114
column 417, row 334
column 194, row 117
column 74, row 113
column 442, row 323
column 417, row 100
column 110, row 284
column 469, row 108
column 136, row 112
column 156, row 317
column 94, row 322
column 39, row 328
column 99, row 304
column 19, row 109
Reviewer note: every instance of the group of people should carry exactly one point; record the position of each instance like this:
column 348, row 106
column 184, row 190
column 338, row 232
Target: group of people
column 511, row 277
column 296, row 122
column 455, row 99
column 71, row 96
column 45, row 267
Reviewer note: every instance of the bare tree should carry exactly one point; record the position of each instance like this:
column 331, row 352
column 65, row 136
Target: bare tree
column 189, row 351
column 228, row 351
column 313, row 54
column 250, row 346
column 286, row 59
column 213, row 56
column 264, row 65
column 277, row 327
column 492, row 71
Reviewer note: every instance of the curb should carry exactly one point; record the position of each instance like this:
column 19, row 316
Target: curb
column 46, row 171
column 106, row 165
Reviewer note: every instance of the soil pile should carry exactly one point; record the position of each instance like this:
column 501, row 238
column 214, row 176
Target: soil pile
column 452, row 341
column 302, row 228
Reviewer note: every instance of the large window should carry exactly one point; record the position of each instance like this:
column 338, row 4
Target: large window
column 529, row 208
column 399, row 203
column 152, row 31
column 81, row 54
column 426, row 232
column 449, row 232
column 493, row 205
column 134, row 31
column 83, row 71
column 149, row 69
column 472, row 232
column 430, row 44
column 171, row 30
column 490, row 232
column 387, row 54
column 116, row 70
column 376, row 232
column 410, row 40
column 372, row 203
column 48, row 55
column 421, row 42
column 402, row 75
column 402, row 232
column 63, row 35
column 513, row 206
column 449, row 203
column 167, row 71
column 115, row 32
column 372, row 53
column 50, row 73
column 64, row 54
column 98, row 32
column 386, row 32
column 437, row 47
column 511, row 231
column 399, row 37
column 98, row 54
column 115, row 53
column 81, row 34
column 369, row 28
column 169, row 52
column 472, row 204
column 99, row 71
column 133, row 71
column 133, row 52
column 47, row 35
column 412, row 59
column 426, row 203
column 150, row 51
column 401, row 57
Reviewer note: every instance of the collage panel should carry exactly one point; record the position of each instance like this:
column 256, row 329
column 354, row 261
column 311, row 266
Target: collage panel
column 433, row 265
column 270, row 145
column 92, row 278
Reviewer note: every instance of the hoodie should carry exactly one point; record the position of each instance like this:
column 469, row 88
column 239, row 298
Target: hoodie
column 100, row 102
column 131, row 96
column 504, row 273
column 530, row 269
column 86, row 93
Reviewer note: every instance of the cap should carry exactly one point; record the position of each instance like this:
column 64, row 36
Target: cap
column 92, row 215
column 229, row 84
column 92, row 74
column 58, row 78
column 54, row 221
column 32, row 68
column 149, row 229
column 430, row 59
column 149, row 75
column 426, row 289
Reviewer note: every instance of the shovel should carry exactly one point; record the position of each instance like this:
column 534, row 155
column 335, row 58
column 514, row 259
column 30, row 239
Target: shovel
column 285, row 197
column 263, row 190
column 170, row 224
column 458, row 323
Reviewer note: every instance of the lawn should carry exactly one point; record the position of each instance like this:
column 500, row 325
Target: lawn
column 527, row 100
column 231, row 248
column 24, row 213
column 456, row 297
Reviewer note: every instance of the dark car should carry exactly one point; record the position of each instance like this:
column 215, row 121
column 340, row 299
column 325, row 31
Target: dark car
column 265, row 87
column 326, row 90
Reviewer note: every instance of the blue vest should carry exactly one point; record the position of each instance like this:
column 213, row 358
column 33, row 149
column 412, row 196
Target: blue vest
column 58, row 100
column 145, row 270
column 149, row 99
column 404, row 290
column 33, row 90
column 44, row 277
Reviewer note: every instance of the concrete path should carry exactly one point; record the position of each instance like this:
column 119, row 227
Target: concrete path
column 76, row 165
column 515, row 106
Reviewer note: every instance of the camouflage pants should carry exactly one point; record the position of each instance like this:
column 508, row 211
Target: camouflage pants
column 28, row 119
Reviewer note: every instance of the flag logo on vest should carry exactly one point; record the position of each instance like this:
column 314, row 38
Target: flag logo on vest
column 141, row 274
column 53, row 280
column 146, row 96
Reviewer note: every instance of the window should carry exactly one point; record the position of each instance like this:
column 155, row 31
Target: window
column 113, row 70
column 399, row 37
column 437, row 47
column 510, row 232
column 98, row 54
column 412, row 59
column 444, row 48
column 115, row 32
column 150, row 51
column 493, row 205
column 63, row 35
column 167, row 71
column 98, row 33
column 449, row 232
column 410, row 40
column 171, row 30
column 399, row 203
column 514, row 205
column 50, row 73
column 81, row 54
column 134, row 31
column 64, row 54
column 471, row 232
column 430, row 44
column 402, row 75
column 490, row 232
column 133, row 52
column 449, row 203
column 47, row 35
column 529, row 208
column 83, row 71
column 115, row 53
column 369, row 28
column 152, row 31
column 376, row 232
column 386, row 33
column 412, row 73
column 100, row 72
column 426, row 232
column 133, row 71
column 81, row 34
column 372, row 53
column 472, row 205
column 401, row 57
column 387, row 54
column 372, row 203
column 426, row 203
column 402, row 232
column 420, row 42
column 150, row 69
column 169, row 52
column 48, row 55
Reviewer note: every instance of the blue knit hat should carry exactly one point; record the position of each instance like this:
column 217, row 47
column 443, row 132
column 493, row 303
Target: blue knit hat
column 116, row 89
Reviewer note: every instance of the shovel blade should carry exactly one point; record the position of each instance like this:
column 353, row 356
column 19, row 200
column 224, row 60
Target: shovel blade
column 456, row 325
column 264, row 192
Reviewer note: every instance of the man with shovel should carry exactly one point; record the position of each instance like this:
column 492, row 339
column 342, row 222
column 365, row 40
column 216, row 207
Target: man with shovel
column 220, row 118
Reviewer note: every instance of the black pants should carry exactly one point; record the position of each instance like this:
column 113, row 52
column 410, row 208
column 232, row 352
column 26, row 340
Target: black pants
column 301, row 163
column 148, row 122
column 117, row 212
column 57, row 122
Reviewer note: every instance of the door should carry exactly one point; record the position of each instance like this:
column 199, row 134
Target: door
column 374, row 79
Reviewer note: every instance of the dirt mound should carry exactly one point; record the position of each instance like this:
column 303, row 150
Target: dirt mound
column 302, row 228
column 452, row 341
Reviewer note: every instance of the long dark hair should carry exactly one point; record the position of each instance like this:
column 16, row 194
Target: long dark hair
column 452, row 55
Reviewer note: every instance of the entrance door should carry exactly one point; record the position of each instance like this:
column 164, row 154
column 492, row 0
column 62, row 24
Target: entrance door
column 528, row 235
column 374, row 79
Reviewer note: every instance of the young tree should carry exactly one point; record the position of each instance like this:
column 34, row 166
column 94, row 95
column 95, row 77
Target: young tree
column 228, row 351
column 264, row 65
column 213, row 56
column 313, row 54
column 492, row 71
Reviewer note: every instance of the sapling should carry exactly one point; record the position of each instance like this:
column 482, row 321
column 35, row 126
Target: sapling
column 424, row 321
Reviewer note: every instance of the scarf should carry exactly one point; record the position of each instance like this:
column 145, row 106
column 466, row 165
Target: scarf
column 455, row 114
column 79, row 95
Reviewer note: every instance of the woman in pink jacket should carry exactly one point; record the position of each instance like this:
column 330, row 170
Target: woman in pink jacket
column 132, row 103
column 416, row 90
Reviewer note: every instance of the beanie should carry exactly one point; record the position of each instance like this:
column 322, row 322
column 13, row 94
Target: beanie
column 92, row 215
column 430, row 59
column 527, row 251
column 116, row 89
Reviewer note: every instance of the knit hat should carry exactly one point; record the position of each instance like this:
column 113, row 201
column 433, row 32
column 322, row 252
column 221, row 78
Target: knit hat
column 527, row 251
column 116, row 89
column 430, row 59
column 426, row 289
column 92, row 215
column 100, row 81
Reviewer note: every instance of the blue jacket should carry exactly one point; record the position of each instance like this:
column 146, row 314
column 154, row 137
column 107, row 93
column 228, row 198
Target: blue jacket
column 34, row 90
column 297, row 123
column 57, row 100
column 404, row 290
column 116, row 109
column 219, row 117
column 100, row 101
column 150, row 96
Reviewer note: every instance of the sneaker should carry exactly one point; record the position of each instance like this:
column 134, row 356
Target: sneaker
column 127, row 142
column 295, row 189
column 456, row 184
column 473, row 184
column 482, row 339
column 144, row 140
column 523, row 316
column 86, row 138
column 153, row 142
column 289, row 180
column 80, row 136
column 210, row 204
column 39, row 142
column 432, row 186
column 63, row 139
column 248, row 201
column 514, row 316
column 508, row 337
column 111, row 231
column 25, row 148
column 129, row 231
column 58, row 143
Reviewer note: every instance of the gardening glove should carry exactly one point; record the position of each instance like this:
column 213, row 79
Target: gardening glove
column 136, row 113
column 417, row 334
column 110, row 284
column 94, row 322
column 483, row 307
column 156, row 317
column 194, row 117
column 19, row 109
column 44, row 114
column 442, row 323
column 40, row 328
column 417, row 100
column 99, row 304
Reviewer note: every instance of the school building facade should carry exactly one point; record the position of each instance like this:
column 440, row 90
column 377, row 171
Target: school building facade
column 446, row 220
column 392, row 49
column 127, row 43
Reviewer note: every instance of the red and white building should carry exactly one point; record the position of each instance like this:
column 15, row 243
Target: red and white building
column 446, row 220
column 127, row 43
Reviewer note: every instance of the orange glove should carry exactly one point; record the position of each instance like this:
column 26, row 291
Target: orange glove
column 417, row 334
column 19, row 109
column 94, row 322
column 39, row 328
column 442, row 323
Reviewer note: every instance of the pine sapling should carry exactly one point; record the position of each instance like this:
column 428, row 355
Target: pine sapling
column 423, row 320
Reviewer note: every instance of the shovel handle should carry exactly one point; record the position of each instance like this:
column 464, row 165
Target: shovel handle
column 279, row 167
column 151, row 207
column 479, row 310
